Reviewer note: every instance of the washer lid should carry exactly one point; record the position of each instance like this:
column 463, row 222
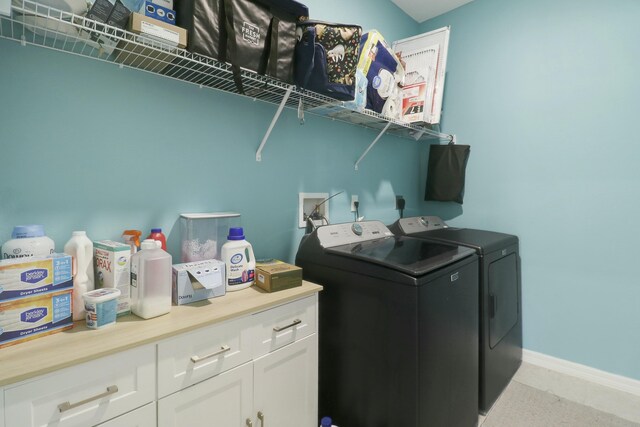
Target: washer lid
column 415, row 257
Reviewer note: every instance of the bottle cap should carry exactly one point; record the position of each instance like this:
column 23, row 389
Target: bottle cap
column 26, row 231
column 326, row 422
column 236, row 233
column 148, row 244
column 79, row 233
column 156, row 230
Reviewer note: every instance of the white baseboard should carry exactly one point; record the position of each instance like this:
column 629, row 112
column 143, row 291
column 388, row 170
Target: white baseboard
column 617, row 382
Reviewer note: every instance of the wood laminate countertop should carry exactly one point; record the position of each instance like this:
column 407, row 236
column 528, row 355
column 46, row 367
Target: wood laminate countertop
column 81, row 344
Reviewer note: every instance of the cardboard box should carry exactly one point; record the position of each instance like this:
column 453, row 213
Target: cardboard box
column 195, row 281
column 275, row 275
column 26, row 277
column 152, row 50
column 113, row 270
column 33, row 317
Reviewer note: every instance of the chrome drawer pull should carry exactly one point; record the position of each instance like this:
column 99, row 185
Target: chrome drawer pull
column 291, row 325
column 223, row 349
column 261, row 418
column 68, row 405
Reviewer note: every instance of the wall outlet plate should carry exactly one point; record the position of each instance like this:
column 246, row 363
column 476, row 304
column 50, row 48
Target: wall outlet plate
column 307, row 202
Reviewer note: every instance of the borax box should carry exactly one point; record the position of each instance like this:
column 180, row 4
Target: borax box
column 113, row 270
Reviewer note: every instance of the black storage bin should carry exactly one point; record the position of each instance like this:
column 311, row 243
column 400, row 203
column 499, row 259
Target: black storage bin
column 258, row 35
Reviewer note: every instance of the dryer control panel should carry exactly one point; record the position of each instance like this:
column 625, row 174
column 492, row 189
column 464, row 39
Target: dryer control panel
column 418, row 224
column 351, row 232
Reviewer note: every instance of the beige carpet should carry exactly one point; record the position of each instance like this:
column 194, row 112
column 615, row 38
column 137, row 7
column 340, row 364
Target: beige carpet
column 524, row 406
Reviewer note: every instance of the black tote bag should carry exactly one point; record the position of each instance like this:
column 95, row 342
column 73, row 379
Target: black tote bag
column 446, row 172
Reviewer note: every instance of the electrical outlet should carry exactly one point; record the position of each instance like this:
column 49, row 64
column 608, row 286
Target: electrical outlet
column 354, row 198
column 307, row 203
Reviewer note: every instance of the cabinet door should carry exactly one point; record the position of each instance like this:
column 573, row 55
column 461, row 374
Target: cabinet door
column 141, row 417
column 84, row 395
column 286, row 386
column 1, row 407
column 222, row 401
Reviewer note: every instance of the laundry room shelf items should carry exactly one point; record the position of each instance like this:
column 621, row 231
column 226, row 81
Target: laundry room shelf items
column 36, row 24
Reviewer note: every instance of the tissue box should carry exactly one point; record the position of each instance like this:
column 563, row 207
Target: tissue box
column 113, row 270
column 26, row 277
column 275, row 275
column 195, row 281
column 34, row 317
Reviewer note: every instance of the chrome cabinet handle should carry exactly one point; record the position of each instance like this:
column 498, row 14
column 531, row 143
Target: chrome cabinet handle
column 261, row 418
column 249, row 423
column 65, row 406
column 291, row 325
column 223, row 349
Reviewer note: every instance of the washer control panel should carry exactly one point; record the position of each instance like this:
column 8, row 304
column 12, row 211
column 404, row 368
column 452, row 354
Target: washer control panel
column 352, row 232
column 418, row 224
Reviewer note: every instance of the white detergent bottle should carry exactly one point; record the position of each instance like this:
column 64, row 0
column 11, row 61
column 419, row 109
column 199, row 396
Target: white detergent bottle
column 80, row 247
column 150, row 281
column 240, row 263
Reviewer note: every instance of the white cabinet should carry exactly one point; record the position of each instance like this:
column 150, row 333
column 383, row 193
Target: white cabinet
column 1, row 407
column 222, row 401
column 276, row 387
column 84, row 395
column 286, row 385
column 141, row 417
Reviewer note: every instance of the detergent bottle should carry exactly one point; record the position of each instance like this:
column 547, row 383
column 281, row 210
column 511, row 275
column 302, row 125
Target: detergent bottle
column 240, row 263
column 80, row 247
column 156, row 234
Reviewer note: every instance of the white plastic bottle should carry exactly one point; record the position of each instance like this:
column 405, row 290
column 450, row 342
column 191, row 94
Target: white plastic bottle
column 27, row 241
column 150, row 281
column 80, row 247
column 240, row 263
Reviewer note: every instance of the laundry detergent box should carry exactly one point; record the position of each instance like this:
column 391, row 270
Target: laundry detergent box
column 113, row 270
column 33, row 317
column 25, row 277
column 275, row 275
column 195, row 281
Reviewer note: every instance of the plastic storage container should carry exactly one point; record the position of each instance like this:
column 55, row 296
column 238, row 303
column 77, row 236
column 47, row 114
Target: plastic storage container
column 240, row 263
column 150, row 281
column 203, row 234
column 80, row 247
column 27, row 241
column 101, row 307
column 156, row 234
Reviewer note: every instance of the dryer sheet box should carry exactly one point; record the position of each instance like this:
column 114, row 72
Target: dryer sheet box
column 113, row 270
column 27, row 277
column 196, row 281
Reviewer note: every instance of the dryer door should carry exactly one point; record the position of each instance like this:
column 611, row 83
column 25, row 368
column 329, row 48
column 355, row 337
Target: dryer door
column 503, row 297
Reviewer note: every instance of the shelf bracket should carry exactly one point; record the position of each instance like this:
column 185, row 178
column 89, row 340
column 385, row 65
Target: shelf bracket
column 273, row 123
column 372, row 144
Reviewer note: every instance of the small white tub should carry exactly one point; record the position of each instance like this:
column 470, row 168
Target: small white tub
column 101, row 306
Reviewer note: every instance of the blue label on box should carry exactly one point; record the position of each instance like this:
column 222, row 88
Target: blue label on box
column 34, row 275
column 61, row 269
column 160, row 13
column 61, row 307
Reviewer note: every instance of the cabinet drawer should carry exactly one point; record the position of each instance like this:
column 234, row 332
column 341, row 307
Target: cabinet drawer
column 283, row 325
column 201, row 354
column 141, row 417
column 84, row 395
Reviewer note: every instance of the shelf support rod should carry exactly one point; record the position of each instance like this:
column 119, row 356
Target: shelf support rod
column 372, row 144
column 273, row 123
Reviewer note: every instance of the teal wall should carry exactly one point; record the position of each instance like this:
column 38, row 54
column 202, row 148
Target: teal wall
column 547, row 94
column 86, row 145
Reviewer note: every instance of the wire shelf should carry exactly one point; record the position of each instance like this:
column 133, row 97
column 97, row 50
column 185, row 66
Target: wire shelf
column 36, row 24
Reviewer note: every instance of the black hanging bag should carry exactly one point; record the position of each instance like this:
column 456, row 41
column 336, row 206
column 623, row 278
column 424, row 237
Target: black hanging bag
column 446, row 172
